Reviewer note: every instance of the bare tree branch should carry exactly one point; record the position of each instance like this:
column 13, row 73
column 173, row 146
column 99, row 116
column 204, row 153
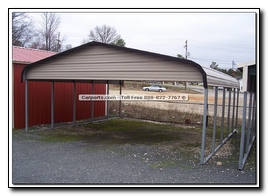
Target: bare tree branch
column 104, row 34
column 49, row 25
column 22, row 29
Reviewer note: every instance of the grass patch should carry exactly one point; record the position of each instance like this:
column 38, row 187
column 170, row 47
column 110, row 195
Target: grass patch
column 133, row 131
column 116, row 131
column 170, row 137
column 195, row 144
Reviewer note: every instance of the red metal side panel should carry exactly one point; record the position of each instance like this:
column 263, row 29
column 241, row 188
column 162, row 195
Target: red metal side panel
column 18, row 97
column 63, row 102
column 39, row 100
column 63, row 109
column 39, row 94
column 99, row 106
column 83, row 108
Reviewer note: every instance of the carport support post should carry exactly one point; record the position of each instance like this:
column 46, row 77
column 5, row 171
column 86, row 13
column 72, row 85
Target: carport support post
column 120, row 92
column 233, row 119
column 237, row 105
column 204, row 126
column 215, row 118
column 249, row 121
column 223, row 113
column 244, row 120
column 242, row 140
column 26, row 105
column 107, row 101
column 74, row 103
column 254, row 115
column 52, row 105
column 229, row 110
column 92, row 102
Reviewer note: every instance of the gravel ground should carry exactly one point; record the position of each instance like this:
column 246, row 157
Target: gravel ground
column 82, row 162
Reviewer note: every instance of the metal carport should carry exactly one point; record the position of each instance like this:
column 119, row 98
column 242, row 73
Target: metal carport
column 103, row 63
column 249, row 125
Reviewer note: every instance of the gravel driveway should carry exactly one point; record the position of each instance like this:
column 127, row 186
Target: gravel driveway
column 82, row 162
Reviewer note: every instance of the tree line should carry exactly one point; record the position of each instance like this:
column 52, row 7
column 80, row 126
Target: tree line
column 232, row 72
column 214, row 65
column 44, row 34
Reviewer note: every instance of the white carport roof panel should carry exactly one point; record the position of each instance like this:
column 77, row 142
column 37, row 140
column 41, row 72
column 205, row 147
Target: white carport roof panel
column 217, row 78
column 103, row 62
column 99, row 62
column 113, row 75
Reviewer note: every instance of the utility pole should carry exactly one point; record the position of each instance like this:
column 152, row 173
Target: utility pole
column 185, row 83
column 186, row 49
column 58, row 42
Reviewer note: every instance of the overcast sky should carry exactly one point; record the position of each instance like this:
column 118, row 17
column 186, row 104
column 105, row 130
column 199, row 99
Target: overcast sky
column 216, row 35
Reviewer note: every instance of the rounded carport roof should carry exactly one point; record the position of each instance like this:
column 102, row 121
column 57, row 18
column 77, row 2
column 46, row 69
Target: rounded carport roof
column 101, row 62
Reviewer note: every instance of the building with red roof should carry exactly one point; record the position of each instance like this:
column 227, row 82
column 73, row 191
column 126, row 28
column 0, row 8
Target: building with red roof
column 29, row 55
column 40, row 94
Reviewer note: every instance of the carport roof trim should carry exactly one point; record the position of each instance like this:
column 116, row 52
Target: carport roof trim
column 203, row 70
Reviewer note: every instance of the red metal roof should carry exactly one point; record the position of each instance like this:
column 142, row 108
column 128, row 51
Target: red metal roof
column 29, row 55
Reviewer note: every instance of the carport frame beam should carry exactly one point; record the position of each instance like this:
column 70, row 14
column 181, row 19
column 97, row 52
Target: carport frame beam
column 120, row 102
column 26, row 106
column 92, row 102
column 223, row 113
column 74, row 102
column 52, row 104
column 107, row 101
column 215, row 119
column 204, row 126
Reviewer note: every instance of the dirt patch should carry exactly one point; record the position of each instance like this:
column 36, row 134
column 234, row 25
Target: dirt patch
column 167, row 137
column 197, row 98
column 192, row 97
column 195, row 104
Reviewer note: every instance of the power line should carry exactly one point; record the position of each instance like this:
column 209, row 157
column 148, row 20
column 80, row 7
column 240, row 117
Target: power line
column 195, row 46
column 195, row 43
column 221, row 44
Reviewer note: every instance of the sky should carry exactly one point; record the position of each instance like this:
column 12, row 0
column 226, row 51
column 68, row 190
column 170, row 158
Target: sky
column 218, row 35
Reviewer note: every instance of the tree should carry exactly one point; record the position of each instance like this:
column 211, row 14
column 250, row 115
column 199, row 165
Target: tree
column 47, row 37
column 180, row 56
column 22, row 29
column 120, row 42
column 50, row 24
column 234, row 73
column 104, row 34
column 214, row 65
column 68, row 47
